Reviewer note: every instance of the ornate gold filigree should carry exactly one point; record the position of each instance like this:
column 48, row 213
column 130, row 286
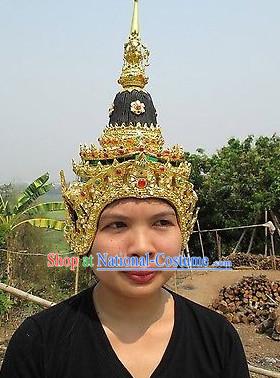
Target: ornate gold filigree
column 126, row 140
column 139, row 178
column 136, row 57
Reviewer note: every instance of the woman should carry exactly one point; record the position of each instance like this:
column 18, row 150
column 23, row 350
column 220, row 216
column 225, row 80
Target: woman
column 132, row 199
column 127, row 326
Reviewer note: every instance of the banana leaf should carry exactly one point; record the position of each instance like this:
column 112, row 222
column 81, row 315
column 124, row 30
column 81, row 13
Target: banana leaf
column 3, row 205
column 31, row 189
column 44, row 207
column 52, row 224
column 32, row 192
column 2, row 219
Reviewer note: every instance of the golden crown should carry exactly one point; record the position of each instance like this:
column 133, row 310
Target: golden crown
column 131, row 160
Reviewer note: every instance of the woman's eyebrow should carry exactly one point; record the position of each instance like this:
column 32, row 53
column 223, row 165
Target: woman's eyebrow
column 113, row 216
column 166, row 213
column 107, row 217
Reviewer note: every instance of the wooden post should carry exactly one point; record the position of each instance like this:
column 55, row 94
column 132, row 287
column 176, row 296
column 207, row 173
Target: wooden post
column 266, row 373
column 9, row 265
column 251, row 241
column 9, row 260
column 275, row 221
column 239, row 241
column 9, row 277
column 219, row 247
column 24, row 295
column 265, row 233
column 200, row 238
column 273, row 251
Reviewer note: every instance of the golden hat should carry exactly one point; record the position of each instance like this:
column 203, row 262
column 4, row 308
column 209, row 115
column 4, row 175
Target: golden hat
column 131, row 159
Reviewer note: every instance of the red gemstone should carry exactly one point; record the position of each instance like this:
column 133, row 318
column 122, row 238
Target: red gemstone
column 118, row 171
column 105, row 155
column 162, row 169
column 141, row 148
column 142, row 183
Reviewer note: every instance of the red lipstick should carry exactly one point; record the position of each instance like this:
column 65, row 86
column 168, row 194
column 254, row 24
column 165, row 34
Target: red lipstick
column 140, row 276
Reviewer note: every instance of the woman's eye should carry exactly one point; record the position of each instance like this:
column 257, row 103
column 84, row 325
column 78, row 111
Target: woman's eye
column 116, row 225
column 163, row 223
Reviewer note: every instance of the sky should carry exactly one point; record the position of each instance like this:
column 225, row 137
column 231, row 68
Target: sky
column 214, row 74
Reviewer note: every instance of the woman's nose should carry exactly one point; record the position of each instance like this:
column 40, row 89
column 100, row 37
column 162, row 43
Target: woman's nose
column 141, row 243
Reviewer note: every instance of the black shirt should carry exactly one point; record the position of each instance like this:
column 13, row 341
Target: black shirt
column 68, row 341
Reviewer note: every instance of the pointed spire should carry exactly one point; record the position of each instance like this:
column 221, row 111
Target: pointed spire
column 135, row 19
column 136, row 56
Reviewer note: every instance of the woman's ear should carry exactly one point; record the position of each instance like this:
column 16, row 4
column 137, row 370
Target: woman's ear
column 89, row 251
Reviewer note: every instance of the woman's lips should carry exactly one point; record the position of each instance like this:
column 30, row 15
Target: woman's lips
column 140, row 272
column 140, row 276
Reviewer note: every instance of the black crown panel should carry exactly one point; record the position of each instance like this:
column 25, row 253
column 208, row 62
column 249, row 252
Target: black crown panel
column 122, row 113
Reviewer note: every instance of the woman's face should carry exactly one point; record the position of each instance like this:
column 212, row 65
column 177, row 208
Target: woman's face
column 135, row 227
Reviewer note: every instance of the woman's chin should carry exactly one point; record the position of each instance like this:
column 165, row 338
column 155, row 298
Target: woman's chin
column 131, row 284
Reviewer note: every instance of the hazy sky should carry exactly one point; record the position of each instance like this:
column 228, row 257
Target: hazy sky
column 214, row 73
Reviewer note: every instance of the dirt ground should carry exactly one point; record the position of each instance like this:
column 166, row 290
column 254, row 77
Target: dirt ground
column 203, row 288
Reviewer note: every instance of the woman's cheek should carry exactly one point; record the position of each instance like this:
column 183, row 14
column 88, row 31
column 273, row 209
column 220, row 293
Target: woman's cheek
column 112, row 246
column 171, row 247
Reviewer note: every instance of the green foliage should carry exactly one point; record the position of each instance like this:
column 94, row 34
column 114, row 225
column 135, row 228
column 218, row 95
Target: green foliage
column 30, row 272
column 243, row 181
column 5, row 303
column 32, row 192
column 44, row 208
column 3, row 232
column 6, row 190
column 237, row 183
column 201, row 164
column 23, row 209
column 53, row 224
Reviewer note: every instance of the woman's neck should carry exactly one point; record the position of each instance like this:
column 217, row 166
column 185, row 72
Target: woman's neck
column 114, row 308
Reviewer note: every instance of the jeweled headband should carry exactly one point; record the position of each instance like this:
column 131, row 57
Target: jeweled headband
column 131, row 160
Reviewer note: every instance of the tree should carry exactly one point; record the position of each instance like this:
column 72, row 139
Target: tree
column 243, row 181
column 237, row 183
column 201, row 164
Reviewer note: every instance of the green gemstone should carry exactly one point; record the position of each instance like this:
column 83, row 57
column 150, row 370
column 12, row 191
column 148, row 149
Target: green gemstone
column 152, row 158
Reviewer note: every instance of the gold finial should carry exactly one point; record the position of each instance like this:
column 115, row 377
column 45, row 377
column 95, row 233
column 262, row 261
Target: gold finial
column 136, row 57
column 135, row 19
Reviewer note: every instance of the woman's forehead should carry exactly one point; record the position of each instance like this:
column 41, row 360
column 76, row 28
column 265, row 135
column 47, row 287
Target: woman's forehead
column 151, row 203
